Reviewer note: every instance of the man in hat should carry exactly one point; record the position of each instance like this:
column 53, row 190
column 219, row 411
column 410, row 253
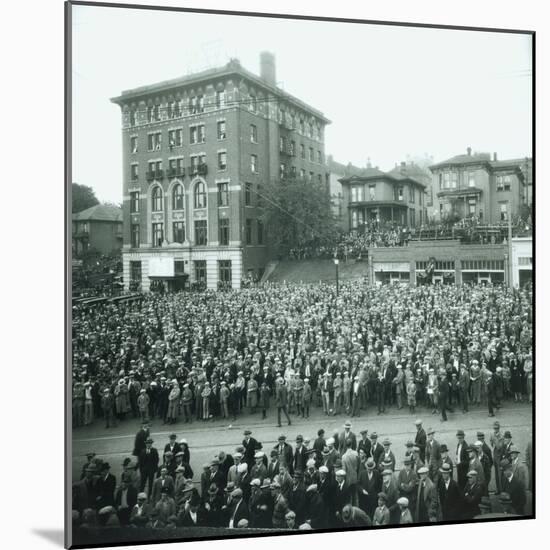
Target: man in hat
column 474, row 463
column 164, row 481
column 443, row 398
column 141, row 511
column 519, row 470
column 216, row 475
column 405, row 516
column 407, row 481
column 497, row 443
column 344, row 435
column 514, row 487
column 330, row 455
column 473, row 492
column 281, row 400
column 297, row 496
column 350, row 464
column 211, row 509
column 326, row 390
column 354, row 517
column 464, row 387
column 141, row 437
column 376, row 449
column 108, row 408
column 262, row 509
column 386, row 459
column 89, row 460
column 338, row 393
column 450, row 498
column 433, row 455
column 318, row 446
column 280, row 506
column 326, row 487
column 427, row 498
column 315, row 511
column 369, row 485
column 381, row 514
column 399, row 382
column 273, row 466
column 445, row 458
column 255, row 485
column 300, row 455
column 342, row 493
column 237, row 509
column 486, row 457
column 250, row 447
column 191, row 515
column 187, row 403
column 491, row 393
column 364, row 443
column 125, row 499
column 84, row 491
column 105, row 486
column 172, row 446
column 259, row 471
column 462, row 459
column 285, row 453
column 420, row 439
column 389, row 488
column 148, row 462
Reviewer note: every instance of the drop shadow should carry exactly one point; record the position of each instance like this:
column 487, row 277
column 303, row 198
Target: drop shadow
column 57, row 536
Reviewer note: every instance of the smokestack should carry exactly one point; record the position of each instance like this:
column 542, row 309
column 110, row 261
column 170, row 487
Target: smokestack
column 267, row 68
column 494, row 157
column 469, row 151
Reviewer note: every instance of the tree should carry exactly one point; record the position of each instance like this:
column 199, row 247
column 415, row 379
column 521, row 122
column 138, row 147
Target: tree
column 83, row 197
column 298, row 213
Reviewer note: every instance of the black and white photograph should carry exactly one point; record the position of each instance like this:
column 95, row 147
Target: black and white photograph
column 300, row 276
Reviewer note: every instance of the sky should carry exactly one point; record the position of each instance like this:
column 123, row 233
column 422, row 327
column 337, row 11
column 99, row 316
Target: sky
column 392, row 93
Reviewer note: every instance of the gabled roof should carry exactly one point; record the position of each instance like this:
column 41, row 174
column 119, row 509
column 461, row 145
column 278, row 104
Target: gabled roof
column 375, row 173
column 475, row 158
column 101, row 213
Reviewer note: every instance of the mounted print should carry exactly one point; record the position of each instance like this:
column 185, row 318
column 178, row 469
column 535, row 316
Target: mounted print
column 300, row 275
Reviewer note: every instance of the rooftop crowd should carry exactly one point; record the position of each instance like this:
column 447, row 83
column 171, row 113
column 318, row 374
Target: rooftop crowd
column 345, row 480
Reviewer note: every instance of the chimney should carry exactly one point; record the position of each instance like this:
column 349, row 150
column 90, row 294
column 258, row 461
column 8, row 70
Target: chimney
column 495, row 157
column 369, row 165
column 469, row 151
column 403, row 168
column 267, row 68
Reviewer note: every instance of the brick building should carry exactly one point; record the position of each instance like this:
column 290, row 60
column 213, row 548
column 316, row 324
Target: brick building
column 97, row 228
column 474, row 185
column 397, row 196
column 196, row 152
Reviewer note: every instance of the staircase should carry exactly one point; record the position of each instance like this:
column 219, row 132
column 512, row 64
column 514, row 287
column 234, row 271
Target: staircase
column 315, row 271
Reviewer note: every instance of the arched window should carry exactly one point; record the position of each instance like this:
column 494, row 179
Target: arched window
column 157, row 199
column 200, row 195
column 177, row 197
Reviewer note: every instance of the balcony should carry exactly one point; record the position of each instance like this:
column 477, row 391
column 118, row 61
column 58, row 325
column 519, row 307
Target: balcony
column 154, row 175
column 287, row 151
column 175, row 172
column 199, row 169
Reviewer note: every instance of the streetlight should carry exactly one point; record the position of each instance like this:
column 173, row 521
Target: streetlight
column 336, row 262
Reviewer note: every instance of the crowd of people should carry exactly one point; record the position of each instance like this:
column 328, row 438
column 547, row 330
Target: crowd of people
column 339, row 480
column 186, row 357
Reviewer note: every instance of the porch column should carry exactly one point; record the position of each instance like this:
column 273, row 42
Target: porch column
column 391, row 210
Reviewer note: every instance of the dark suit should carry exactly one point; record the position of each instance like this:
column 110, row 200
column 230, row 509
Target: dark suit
column 472, row 498
column 315, row 510
column 463, row 466
column 376, row 451
column 326, row 490
column 365, row 445
column 148, row 464
column 420, row 442
column 286, row 456
column 300, row 459
column 139, row 443
column 450, row 500
column 131, row 501
column 238, row 511
column 516, row 490
column 297, row 502
column 157, row 488
column 342, row 496
column 105, row 487
column 175, row 449
column 84, row 495
column 273, row 469
column 250, row 448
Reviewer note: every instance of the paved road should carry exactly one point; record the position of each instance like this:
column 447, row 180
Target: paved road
column 207, row 438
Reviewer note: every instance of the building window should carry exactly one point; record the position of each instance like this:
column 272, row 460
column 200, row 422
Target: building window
column 175, row 168
column 356, row 193
column 156, row 201
column 153, row 113
column 196, row 104
column 311, row 156
column 174, row 110
column 282, row 144
column 158, row 234
column 247, row 194
column 201, row 235
column 179, row 267
column 302, row 174
column 372, row 192
column 400, row 193
column 302, row 151
column 253, row 133
column 503, row 211
column 319, row 157
column 133, row 119
column 503, row 183
column 134, row 202
column 177, row 197
column 155, row 170
column 223, row 226
column 525, row 260
column 224, row 267
column 154, row 141
column 200, row 271
column 254, row 163
column 472, row 207
column 450, row 180
column 178, row 230
column 471, row 179
column 411, row 194
column 134, row 172
column 193, row 134
column 220, row 99
column 134, row 144
column 248, row 232
column 302, row 127
column 221, row 129
column 311, row 177
column 200, row 195
column 320, row 179
column 175, row 138
column 293, row 171
column 260, row 232
column 253, row 103
column 222, row 160
column 223, row 194
column 282, row 171
column 134, row 235
column 292, row 149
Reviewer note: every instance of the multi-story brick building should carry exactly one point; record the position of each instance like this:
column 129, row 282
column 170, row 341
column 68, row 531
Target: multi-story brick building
column 196, row 152
column 98, row 228
column 397, row 196
column 473, row 185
